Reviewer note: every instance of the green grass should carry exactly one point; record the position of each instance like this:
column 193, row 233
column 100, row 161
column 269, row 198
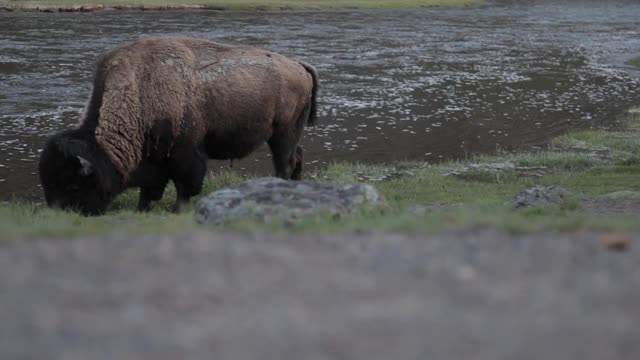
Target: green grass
column 262, row 5
column 429, row 202
column 19, row 220
column 421, row 198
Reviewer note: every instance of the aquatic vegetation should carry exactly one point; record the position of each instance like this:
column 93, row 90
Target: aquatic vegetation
column 634, row 61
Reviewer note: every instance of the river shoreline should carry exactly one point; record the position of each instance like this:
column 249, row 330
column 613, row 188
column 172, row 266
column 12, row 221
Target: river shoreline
column 599, row 168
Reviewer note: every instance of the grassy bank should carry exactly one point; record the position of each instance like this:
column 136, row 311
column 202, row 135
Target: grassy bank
column 422, row 198
column 257, row 4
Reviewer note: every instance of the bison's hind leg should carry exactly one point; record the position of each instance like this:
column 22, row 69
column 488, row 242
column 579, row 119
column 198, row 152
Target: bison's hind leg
column 283, row 151
column 187, row 170
column 287, row 154
column 298, row 158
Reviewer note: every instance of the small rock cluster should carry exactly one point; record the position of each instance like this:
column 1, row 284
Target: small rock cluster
column 540, row 196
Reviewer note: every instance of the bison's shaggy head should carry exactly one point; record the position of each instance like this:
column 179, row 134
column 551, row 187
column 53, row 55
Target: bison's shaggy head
column 75, row 174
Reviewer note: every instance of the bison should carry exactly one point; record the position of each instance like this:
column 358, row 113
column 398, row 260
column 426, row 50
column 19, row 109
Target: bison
column 160, row 107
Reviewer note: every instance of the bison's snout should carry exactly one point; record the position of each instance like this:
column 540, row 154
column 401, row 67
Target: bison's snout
column 85, row 211
column 54, row 204
column 77, row 208
column 92, row 212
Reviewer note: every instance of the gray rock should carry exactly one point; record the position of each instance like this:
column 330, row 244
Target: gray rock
column 540, row 196
column 268, row 199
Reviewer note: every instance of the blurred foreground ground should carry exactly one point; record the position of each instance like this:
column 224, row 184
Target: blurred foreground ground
column 472, row 294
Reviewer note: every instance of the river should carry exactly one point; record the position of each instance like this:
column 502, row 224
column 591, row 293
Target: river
column 426, row 85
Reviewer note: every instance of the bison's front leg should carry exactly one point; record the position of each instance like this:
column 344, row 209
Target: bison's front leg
column 182, row 200
column 152, row 180
column 188, row 169
column 144, row 202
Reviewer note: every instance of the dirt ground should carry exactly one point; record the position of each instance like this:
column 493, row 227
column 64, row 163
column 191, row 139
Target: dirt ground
column 472, row 294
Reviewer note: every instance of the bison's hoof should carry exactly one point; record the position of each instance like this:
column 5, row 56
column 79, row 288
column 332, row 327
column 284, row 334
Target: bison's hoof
column 181, row 207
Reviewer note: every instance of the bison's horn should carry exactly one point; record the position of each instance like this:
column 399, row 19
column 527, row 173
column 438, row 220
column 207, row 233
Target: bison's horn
column 87, row 167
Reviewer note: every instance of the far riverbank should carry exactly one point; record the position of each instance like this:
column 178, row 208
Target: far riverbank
column 224, row 5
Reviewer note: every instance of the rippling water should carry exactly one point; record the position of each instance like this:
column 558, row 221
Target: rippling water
column 414, row 84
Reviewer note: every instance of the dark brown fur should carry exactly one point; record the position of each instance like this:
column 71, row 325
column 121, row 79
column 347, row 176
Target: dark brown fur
column 163, row 105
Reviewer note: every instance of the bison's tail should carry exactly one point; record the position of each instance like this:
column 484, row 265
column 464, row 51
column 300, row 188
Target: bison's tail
column 313, row 113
